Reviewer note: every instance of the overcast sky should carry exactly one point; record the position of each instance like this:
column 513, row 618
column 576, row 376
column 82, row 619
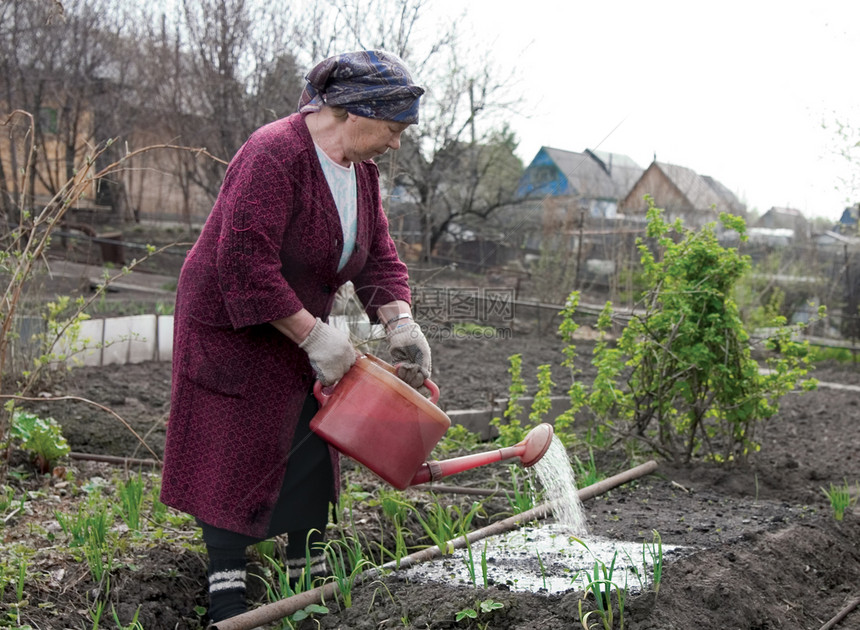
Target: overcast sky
column 735, row 90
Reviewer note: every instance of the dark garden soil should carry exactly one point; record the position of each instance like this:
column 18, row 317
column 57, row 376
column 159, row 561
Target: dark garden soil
column 769, row 553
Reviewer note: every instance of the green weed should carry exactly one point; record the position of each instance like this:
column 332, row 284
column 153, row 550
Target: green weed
column 42, row 437
column 22, row 574
column 484, row 565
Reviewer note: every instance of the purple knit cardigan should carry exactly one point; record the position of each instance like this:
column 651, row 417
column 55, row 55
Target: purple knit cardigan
column 270, row 247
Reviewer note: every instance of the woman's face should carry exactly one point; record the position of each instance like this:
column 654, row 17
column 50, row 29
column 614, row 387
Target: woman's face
column 367, row 138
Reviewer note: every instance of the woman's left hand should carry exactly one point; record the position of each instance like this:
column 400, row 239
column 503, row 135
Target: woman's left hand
column 410, row 349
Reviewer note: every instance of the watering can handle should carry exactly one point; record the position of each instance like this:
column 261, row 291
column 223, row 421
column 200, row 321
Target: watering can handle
column 434, row 390
column 322, row 394
column 433, row 387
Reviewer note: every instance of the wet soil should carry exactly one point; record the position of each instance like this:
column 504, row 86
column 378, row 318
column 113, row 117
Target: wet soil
column 768, row 550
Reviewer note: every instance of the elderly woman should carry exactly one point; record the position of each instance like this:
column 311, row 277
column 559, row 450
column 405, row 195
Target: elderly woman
column 299, row 214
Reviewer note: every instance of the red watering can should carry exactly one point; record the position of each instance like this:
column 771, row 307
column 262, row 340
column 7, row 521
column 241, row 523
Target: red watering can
column 381, row 422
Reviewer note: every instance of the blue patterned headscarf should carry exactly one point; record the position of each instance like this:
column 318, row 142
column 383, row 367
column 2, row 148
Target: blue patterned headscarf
column 369, row 83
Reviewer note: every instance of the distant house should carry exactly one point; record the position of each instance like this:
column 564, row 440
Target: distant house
column 785, row 219
column 155, row 185
column 592, row 181
column 682, row 193
column 835, row 243
column 849, row 221
column 53, row 157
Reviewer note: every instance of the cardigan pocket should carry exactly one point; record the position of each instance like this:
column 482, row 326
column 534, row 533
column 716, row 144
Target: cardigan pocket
column 214, row 362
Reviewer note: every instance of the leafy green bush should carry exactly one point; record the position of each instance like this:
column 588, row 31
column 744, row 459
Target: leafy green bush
column 681, row 377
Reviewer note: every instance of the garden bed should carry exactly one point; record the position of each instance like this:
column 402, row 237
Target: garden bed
column 769, row 552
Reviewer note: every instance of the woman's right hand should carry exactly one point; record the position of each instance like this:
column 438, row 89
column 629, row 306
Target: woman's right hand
column 330, row 352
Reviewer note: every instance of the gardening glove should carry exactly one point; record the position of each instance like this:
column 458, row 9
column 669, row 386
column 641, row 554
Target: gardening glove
column 410, row 349
column 330, row 352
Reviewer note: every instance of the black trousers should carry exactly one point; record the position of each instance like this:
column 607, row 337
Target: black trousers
column 306, row 489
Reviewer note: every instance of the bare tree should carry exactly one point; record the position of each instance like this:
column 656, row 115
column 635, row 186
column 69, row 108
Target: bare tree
column 60, row 62
column 225, row 68
column 457, row 167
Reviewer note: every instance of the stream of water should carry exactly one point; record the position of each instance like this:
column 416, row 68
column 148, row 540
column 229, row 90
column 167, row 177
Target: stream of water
column 555, row 473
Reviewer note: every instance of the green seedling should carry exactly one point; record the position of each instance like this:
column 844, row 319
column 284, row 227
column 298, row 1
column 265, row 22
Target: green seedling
column 99, row 558
column 346, row 561
column 134, row 625
column 586, row 472
column 130, row 502
column 306, row 581
column 600, row 584
column 522, row 497
column 97, row 613
column 265, row 548
column 309, row 611
column 469, row 559
column 19, row 587
column 396, row 510
column 841, row 498
column 158, row 511
column 7, row 499
column 88, row 526
column 654, row 550
column 282, row 588
column 484, row 564
column 542, row 569
column 482, row 607
column 445, row 524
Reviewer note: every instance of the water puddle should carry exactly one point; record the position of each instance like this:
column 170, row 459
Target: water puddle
column 552, row 557
column 544, row 559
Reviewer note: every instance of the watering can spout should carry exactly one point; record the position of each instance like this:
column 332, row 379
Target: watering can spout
column 529, row 451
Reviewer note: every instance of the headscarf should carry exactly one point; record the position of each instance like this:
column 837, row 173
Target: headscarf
column 369, row 83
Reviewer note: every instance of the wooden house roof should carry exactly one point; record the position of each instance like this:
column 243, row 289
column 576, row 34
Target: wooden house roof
column 733, row 204
column 588, row 175
column 691, row 191
column 696, row 189
column 778, row 217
